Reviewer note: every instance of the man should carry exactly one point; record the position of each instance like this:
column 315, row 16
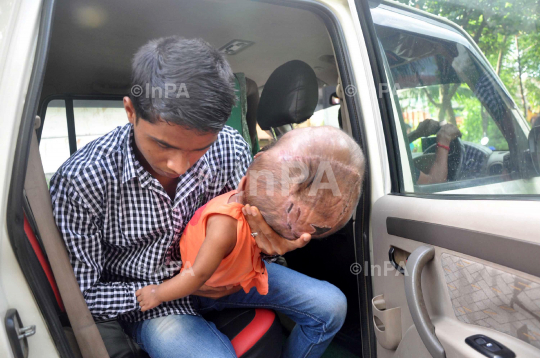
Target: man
column 535, row 121
column 123, row 201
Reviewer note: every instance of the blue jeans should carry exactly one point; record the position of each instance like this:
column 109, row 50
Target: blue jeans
column 317, row 307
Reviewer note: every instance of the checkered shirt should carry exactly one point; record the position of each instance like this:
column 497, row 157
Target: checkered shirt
column 486, row 91
column 120, row 227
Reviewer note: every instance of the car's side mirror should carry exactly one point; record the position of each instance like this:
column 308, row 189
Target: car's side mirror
column 534, row 150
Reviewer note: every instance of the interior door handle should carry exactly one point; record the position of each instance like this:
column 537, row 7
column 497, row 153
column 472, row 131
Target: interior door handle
column 17, row 334
column 392, row 257
column 415, row 300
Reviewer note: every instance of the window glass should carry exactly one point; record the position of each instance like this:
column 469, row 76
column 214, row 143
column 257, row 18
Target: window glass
column 323, row 117
column 327, row 112
column 461, row 129
column 94, row 118
column 54, row 143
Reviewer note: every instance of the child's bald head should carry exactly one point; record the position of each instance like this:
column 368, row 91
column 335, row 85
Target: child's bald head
column 309, row 181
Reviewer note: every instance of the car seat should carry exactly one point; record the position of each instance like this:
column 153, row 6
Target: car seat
column 289, row 97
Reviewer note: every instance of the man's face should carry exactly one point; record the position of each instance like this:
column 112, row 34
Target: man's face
column 168, row 150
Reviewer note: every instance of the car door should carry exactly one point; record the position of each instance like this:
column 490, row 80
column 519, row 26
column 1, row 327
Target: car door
column 24, row 330
column 455, row 263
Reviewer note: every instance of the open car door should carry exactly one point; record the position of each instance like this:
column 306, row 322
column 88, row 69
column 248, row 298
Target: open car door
column 455, row 268
column 471, row 282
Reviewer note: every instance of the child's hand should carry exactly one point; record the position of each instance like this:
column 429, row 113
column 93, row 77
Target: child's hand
column 148, row 297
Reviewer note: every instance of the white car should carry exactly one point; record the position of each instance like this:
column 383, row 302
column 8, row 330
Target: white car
column 447, row 268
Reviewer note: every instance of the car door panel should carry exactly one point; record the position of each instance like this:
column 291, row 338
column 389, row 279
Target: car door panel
column 491, row 247
column 19, row 45
column 484, row 278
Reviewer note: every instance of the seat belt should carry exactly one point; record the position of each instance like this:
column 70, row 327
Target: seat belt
column 85, row 330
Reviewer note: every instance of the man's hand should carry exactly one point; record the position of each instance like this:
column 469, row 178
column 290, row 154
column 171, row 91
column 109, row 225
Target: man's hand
column 427, row 127
column 438, row 172
column 216, row 292
column 148, row 297
column 447, row 133
column 267, row 239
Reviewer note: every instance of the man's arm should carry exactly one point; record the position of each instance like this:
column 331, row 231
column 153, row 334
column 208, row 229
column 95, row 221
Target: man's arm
column 425, row 129
column 81, row 230
column 438, row 172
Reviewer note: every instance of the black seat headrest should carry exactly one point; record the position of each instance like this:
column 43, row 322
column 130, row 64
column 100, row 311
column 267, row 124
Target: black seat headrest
column 289, row 96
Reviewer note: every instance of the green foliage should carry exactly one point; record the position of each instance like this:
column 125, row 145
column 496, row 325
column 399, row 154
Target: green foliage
column 477, row 124
column 495, row 25
column 474, row 122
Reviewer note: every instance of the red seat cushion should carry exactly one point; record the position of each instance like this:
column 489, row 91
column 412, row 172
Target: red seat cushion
column 253, row 332
column 44, row 262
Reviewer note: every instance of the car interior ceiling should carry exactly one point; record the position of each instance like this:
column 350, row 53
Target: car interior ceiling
column 91, row 54
column 91, row 50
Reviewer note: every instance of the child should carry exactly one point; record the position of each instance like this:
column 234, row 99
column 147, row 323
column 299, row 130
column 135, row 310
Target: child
column 307, row 182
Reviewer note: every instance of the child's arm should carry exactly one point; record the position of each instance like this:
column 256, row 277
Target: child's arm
column 219, row 242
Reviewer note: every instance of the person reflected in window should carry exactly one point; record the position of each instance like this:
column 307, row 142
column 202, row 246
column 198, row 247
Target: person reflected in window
column 535, row 121
column 438, row 173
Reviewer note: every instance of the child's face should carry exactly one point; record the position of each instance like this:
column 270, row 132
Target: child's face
column 317, row 215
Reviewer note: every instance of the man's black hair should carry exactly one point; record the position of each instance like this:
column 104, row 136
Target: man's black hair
column 184, row 82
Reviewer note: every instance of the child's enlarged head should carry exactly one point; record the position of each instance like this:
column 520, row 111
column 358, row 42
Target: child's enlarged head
column 310, row 181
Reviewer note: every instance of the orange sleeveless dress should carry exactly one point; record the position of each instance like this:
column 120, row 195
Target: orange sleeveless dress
column 244, row 265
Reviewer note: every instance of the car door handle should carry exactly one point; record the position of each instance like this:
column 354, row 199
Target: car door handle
column 415, row 300
column 17, row 334
column 392, row 257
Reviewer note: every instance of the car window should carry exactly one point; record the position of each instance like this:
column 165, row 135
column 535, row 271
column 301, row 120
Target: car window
column 92, row 118
column 54, row 143
column 327, row 112
column 464, row 110
column 323, row 117
column 444, row 87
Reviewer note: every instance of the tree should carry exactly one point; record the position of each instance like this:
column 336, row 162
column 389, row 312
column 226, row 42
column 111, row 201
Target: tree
column 491, row 24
